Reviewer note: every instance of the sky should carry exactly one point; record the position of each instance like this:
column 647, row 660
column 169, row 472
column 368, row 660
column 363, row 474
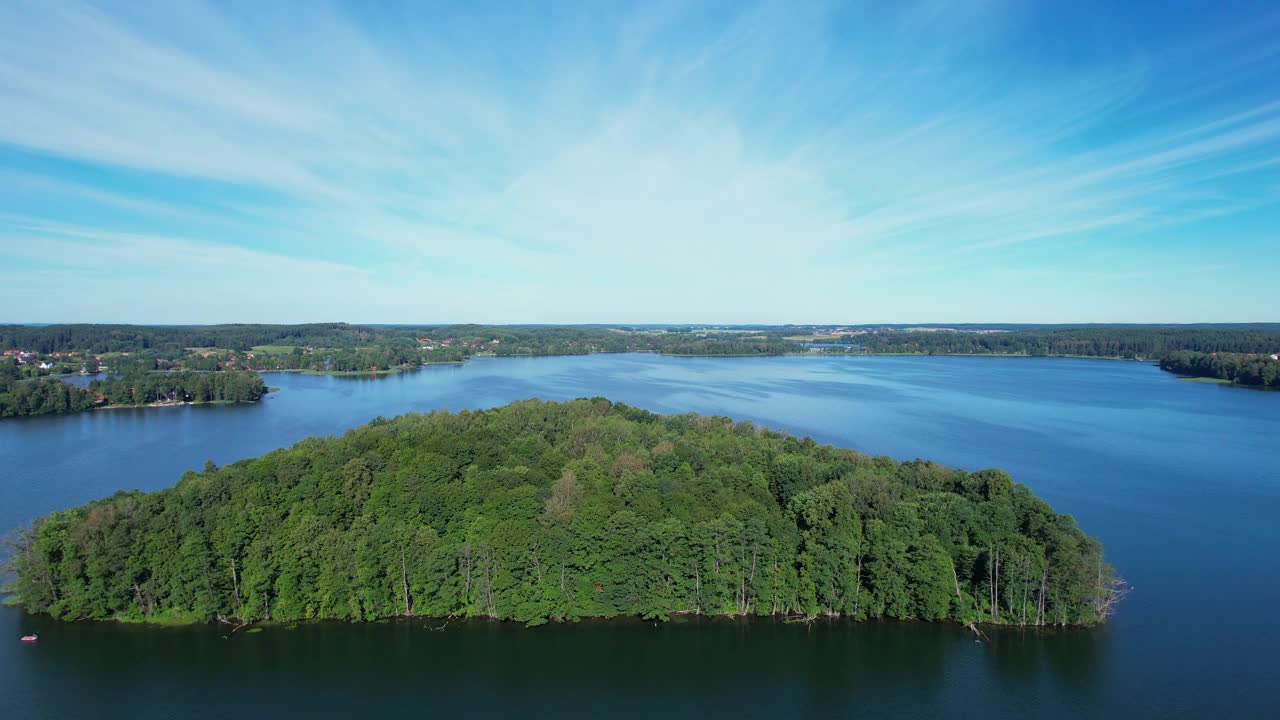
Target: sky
column 683, row 162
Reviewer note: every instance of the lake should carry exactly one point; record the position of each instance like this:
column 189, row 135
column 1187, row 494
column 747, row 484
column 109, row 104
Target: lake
column 1180, row 481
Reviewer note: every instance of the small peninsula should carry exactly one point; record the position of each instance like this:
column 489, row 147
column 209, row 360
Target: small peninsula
column 138, row 389
column 540, row 511
column 1251, row 369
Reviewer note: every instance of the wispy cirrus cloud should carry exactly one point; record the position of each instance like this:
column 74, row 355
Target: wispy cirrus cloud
column 662, row 162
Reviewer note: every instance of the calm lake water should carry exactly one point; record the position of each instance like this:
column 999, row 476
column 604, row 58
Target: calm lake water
column 1180, row 480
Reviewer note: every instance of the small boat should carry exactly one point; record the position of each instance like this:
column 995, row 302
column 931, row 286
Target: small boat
column 30, row 638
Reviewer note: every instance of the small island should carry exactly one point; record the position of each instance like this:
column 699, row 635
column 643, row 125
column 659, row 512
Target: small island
column 539, row 511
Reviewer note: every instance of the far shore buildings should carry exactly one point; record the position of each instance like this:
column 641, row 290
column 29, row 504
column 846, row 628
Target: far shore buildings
column 23, row 356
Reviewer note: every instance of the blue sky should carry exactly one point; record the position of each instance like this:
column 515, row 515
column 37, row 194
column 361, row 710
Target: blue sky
column 735, row 162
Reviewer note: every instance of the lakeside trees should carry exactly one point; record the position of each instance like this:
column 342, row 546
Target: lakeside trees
column 231, row 386
column 44, row 397
column 1123, row 342
column 47, row 397
column 554, row 511
column 1252, row 370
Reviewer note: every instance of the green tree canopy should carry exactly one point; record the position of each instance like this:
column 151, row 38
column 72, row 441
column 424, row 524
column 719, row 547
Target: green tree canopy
column 542, row 511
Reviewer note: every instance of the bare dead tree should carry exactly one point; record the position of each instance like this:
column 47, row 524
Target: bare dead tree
column 404, row 582
column 997, row 606
column 857, row 585
column 467, row 563
column 1024, row 565
column 1111, row 590
column 235, row 586
column 991, row 581
column 697, row 588
column 1044, row 581
column 955, row 578
column 537, row 562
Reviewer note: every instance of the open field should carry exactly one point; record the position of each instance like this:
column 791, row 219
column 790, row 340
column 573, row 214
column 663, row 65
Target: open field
column 811, row 338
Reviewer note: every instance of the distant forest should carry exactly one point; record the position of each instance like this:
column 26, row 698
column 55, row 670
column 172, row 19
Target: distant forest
column 1148, row 343
column 174, row 342
column 539, row 512
column 343, row 348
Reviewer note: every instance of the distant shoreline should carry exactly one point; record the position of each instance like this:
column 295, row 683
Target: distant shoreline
column 352, row 373
column 997, row 355
column 177, row 621
column 392, row 371
column 1221, row 381
column 173, row 404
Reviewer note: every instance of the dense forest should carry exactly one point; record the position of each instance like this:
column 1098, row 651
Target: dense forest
column 541, row 511
column 46, row 397
column 1150, row 343
column 394, row 344
column 1252, row 370
column 171, row 342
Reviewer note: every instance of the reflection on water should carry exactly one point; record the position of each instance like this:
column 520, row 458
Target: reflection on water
column 625, row 668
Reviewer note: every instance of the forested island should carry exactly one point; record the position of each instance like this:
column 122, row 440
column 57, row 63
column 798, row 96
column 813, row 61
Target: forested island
column 47, row 397
column 1252, row 370
column 539, row 511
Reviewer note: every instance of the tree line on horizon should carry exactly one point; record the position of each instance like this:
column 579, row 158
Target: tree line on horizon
column 1152, row 342
column 339, row 347
column 173, row 342
column 1149, row 343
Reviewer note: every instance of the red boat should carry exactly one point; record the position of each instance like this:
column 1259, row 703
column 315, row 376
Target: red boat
column 30, row 638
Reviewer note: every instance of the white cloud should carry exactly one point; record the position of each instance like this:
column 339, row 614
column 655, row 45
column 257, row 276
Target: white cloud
column 663, row 148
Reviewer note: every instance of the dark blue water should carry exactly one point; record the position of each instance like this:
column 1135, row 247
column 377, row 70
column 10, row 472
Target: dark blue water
column 1180, row 480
